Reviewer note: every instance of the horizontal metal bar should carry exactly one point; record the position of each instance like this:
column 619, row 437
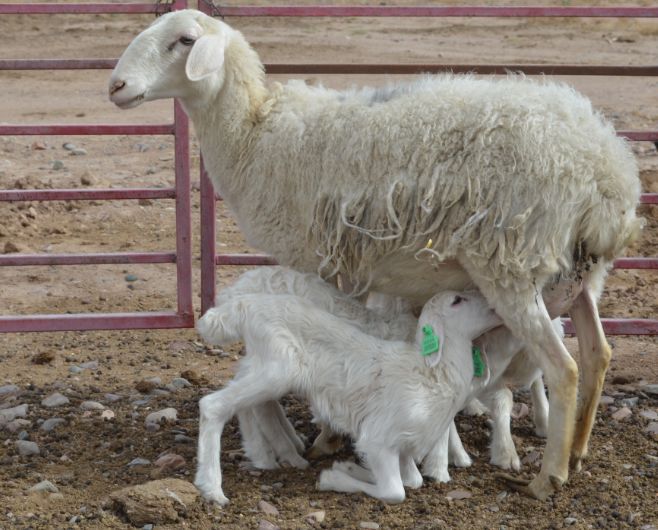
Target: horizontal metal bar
column 432, row 11
column 407, row 69
column 101, row 258
column 621, row 326
column 649, row 198
column 76, row 9
column 91, row 129
column 639, row 136
column 87, row 195
column 244, row 259
column 57, row 64
column 499, row 69
column 636, row 263
column 97, row 321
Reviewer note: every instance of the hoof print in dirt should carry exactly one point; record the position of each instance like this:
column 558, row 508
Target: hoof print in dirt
column 157, row 502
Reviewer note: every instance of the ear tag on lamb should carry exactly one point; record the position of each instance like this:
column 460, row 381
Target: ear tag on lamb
column 478, row 362
column 430, row 341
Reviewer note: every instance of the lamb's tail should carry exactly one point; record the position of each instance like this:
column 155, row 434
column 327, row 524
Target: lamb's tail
column 223, row 324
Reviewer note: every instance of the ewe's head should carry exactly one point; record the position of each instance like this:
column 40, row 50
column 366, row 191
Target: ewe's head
column 465, row 315
column 176, row 56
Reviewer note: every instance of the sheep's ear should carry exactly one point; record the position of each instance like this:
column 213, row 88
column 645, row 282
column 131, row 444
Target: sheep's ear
column 206, row 57
column 431, row 342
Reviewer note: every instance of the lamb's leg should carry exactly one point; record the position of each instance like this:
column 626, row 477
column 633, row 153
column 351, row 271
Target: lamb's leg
column 256, row 446
column 539, row 407
column 327, row 443
column 279, row 433
column 503, row 452
column 524, row 313
column 411, row 477
column 215, row 410
column 435, row 464
column 457, row 455
column 474, row 408
column 385, row 466
column 595, row 354
column 354, row 470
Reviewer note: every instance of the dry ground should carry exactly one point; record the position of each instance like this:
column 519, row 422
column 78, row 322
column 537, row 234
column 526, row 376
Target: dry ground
column 87, row 457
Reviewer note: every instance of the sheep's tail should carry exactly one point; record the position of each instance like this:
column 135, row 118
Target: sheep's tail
column 223, row 324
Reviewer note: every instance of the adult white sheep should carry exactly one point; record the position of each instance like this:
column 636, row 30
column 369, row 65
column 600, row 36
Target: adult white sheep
column 519, row 185
column 395, row 403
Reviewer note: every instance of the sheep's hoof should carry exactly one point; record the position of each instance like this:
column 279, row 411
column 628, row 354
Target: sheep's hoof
column 214, row 501
column 575, row 463
column 538, row 488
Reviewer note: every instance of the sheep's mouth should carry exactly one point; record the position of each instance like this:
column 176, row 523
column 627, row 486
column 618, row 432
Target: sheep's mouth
column 130, row 103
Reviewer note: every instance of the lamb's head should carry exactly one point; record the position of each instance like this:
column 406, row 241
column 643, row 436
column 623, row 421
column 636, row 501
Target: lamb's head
column 179, row 55
column 464, row 315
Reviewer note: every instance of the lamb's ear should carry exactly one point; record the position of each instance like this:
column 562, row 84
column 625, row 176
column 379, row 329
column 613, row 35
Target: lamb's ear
column 430, row 342
column 206, row 56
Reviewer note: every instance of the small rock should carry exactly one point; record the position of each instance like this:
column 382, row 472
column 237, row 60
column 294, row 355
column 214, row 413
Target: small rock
column 55, row 400
column 107, row 414
column 44, row 357
column 630, row 402
column 606, row 401
column 69, row 146
column 7, row 415
column 156, row 502
column 194, row 378
column 369, row 524
column 78, row 152
column 652, row 428
column 183, row 439
column 131, row 278
column 316, row 517
column 12, row 248
column 144, row 386
column 154, row 419
column 651, row 389
column 570, row 520
column 621, row 380
column 148, row 527
column 90, row 365
column 9, row 389
column 57, row 165
column 267, row 508
column 75, row 369
column 180, row 382
column 170, row 462
column 92, row 405
column 457, row 495
column 144, row 202
column 26, row 448
column 45, row 485
column 138, row 462
column 86, row 179
column 264, row 524
column 23, row 435
column 17, row 425
column 52, row 423
column 39, row 146
column 649, row 414
column 112, row 397
column 622, row 414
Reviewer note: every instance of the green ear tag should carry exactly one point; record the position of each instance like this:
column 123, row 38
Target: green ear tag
column 478, row 362
column 430, row 341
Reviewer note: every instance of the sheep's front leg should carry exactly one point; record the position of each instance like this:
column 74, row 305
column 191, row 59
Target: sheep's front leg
column 539, row 407
column 385, row 466
column 457, row 455
column 503, row 451
column 411, row 477
column 595, row 357
column 435, row 464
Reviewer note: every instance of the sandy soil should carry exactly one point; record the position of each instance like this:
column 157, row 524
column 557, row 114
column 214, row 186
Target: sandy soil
column 87, row 458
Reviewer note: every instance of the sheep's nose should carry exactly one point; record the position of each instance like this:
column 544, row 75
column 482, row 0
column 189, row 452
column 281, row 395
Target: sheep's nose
column 116, row 86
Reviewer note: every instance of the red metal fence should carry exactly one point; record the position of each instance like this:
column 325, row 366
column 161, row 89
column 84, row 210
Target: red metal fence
column 183, row 317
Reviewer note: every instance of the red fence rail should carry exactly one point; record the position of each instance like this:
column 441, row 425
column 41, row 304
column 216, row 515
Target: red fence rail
column 182, row 257
column 209, row 258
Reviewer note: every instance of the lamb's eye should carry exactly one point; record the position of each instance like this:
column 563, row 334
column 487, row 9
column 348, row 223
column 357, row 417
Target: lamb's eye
column 458, row 300
column 186, row 41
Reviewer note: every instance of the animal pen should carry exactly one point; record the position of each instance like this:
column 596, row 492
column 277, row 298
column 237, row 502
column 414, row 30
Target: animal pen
column 182, row 257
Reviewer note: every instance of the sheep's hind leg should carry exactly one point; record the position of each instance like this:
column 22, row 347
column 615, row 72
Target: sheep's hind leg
column 256, row 446
column 385, row 465
column 327, row 443
column 280, row 434
column 595, row 357
column 215, row 410
column 524, row 313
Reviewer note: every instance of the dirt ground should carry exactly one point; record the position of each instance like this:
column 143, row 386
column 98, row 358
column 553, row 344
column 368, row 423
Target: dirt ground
column 87, row 457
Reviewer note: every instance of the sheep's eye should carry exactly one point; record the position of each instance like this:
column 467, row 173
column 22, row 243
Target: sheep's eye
column 186, row 41
column 457, row 300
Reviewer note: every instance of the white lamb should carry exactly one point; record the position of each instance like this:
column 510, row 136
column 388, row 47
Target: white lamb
column 268, row 437
column 513, row 187
column 395, row 403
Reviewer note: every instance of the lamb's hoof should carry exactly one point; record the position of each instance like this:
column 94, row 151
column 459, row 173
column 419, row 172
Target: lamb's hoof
column 215, row 499
column 537, row 488
column 442, row 477
column 507, row 461
column 575, row 463
column 295, row 461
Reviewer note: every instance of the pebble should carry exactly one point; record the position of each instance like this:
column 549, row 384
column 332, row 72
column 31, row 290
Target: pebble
column 55, row 400
column 75, row 369
column 264, row 524
column 607, row 400
column 26, row 448
column 107, row 414
column 570, row 520
column 130, row 278
column 8, row 389
column 630, row 402
column 86, row 179
column 651, row 389
column 112, row 397
column 180, row 382
column 17, row 425
column 652, row 428
column 7, row 415
column 52, row 423
column 267, row 508
column 69, row 146
column 78, row 152
column 153, row 420
column 183, row 439
column 148, row 526
column 138, row 462
column 456, row 495
column 92, row 405
column 170, row 462
column 23, row 435
column 649, row 414
column 316, row 517
column 44, row 485
column 622, row 414
column 90, row 365
column 369, row 524
column 57, row 165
